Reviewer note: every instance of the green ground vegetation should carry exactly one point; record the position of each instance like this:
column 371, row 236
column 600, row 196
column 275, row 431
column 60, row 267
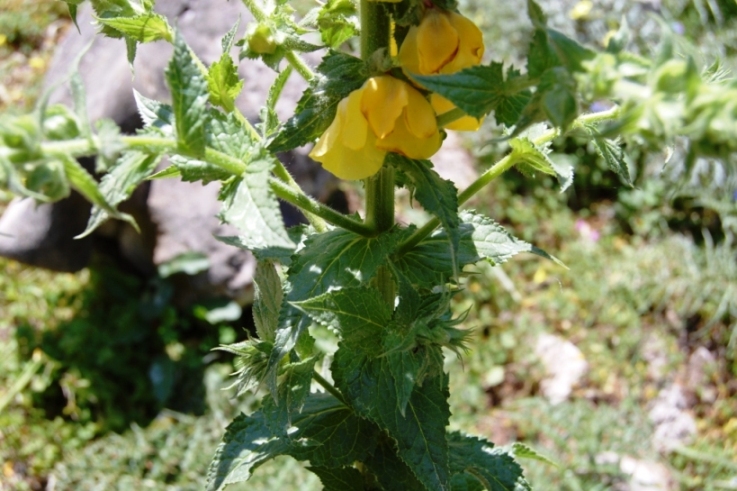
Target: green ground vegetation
column 105, row 384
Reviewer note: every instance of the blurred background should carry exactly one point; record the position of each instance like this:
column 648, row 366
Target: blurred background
column 621, row 370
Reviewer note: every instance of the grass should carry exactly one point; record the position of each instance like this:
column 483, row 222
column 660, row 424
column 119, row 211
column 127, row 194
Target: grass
column 644, row 292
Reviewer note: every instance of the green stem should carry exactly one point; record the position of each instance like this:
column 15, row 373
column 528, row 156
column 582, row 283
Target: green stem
column 448, row 117
column 305, row 203
column 375, row 32
column 25, row 378
column 497, row 170
column 328, row 387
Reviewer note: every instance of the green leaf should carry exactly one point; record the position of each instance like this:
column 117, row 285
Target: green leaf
column 327, row 433
column 359, row 315
column 282, row 255
column 390, row 471
column 534, row 158
column 110, row 145
column 476, row 461
column 119, row 183
column 370, row 387
column 189, row 98
column 267, row 304
column 229, row 38
column 615, row 157
column 250, row 206
column 85, row 184
column 428, row 264
column 223, row 83
column 143, row 28
column 437, row 195
column 339, row 479
column 337, row 22
column 247, row 444
column 155, row 114
column 339, row 74
column 331, row 260
column 482, row 89
column 80, row 104
column 522, row 451
column 189, row 263
column 293, row 391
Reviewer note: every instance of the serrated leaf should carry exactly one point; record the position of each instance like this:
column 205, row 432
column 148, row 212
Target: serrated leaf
column 229, row 38
column 223, row 83
column 267, row 304
column 269, row 118
column 251, row 207
column 225, row 134
column 337, row 23
column 339, row 74
column 283, row 255
column 80, row 104
column 339, row 479
column 331, row 260
column 614, row 156
column 473, row 459
column 155, row 114
column 359, row 315
column 537, row 159
column 427, row 265
column 293, row 391
column 85, row 184
column 479, row 90
column 131, row 169
column 437, row 195
column 143, row 28
column 390, row 471
column 522, row 451
column 370, row 387
column 189, row 93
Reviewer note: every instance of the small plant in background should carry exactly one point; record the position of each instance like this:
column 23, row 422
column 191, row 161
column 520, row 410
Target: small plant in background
column 373, row 411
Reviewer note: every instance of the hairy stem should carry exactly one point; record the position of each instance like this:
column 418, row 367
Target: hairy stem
column 328, row 387
column 375, row 32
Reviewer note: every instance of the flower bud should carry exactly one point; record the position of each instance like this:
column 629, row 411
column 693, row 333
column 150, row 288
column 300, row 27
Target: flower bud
column 261, row 40
column 385, row 115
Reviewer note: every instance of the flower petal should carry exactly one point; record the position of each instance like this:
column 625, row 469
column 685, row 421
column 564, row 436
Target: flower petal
column 383, row 100
column 419, row 115
column 404, row 142
column 470, row 46
column 409, row 56
column 355, row 125
column 437, row 42
column 332, row 134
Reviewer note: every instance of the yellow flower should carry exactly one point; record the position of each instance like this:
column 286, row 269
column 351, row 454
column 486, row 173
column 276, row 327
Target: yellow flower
column 385, row 115
column 444, row 42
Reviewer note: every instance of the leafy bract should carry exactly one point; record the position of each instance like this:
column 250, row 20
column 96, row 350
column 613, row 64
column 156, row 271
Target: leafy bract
column 189, row 98
column 437, row 195
column 142, row 28
column 337, row 76
column 359, row 315
column 223, row 83
column 332, row 260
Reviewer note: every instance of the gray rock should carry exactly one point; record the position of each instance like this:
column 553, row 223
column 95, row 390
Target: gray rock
column 565, row 367
column 674, row 425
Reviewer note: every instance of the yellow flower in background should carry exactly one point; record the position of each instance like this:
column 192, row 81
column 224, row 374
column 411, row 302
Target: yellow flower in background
column 385, row 115
column 444, row 42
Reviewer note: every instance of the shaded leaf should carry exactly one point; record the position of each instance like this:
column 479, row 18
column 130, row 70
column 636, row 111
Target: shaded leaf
column 475, row 461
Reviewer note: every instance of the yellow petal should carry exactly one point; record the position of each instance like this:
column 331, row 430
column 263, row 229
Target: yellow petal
column 404, row 142
column 355, row 126
column 419, row 115
column 470, row 45
column 332, row 134
column 352, row 164
column 409, row 56
column 383, row 100
column 437, row 42
column 442, row 105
